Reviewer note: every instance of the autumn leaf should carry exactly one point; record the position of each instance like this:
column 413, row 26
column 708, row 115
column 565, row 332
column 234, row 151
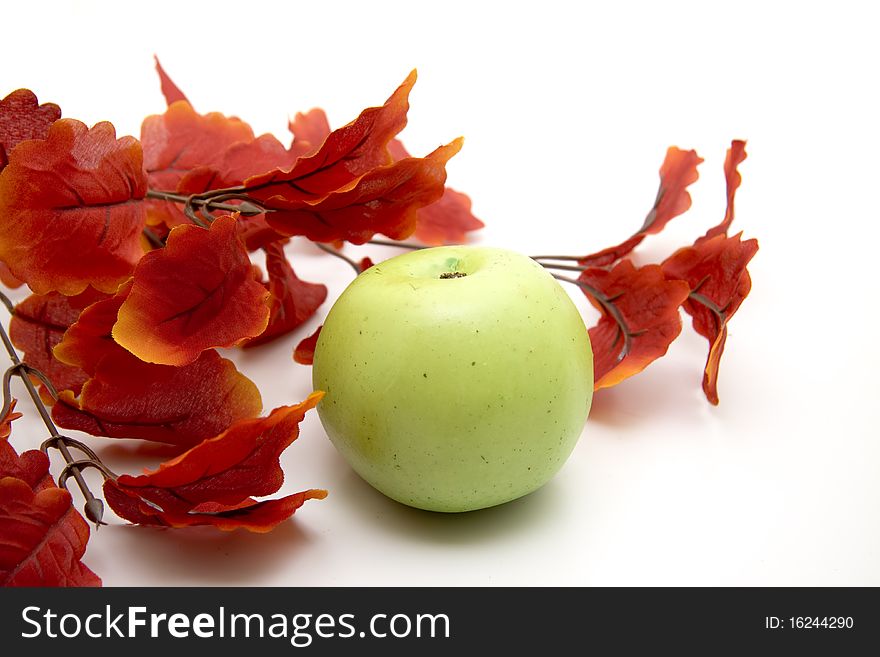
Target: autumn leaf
column 679, row 170
column 384, row 200
column 71, row 209
column 127, row 398
column 196, row 293
column 7, row 278
column 304, row 354
column 447, row 220
column 309, row 129
column 715, row 271
column 31, row 467
column 43, row 538
column 214, row 482
column 170, row 90
column 21, row 118
column 345, row 154
column 37, row 326
column 256, row 233
column 736, row 155
column 179, row 141
column 293, row 300
column 639, row 320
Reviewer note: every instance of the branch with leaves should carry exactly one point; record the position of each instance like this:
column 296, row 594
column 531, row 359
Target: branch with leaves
column 138, row 253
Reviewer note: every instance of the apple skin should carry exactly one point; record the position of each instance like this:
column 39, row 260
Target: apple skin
column 454, row 394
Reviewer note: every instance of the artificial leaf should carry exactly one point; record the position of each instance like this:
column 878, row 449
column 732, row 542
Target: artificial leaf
column 259, row 517
column 714, row 269
column 127, row 398
column 384, row 200
column 256, row 233
column 89, row 338
column 293, row 300
column 22, row 117
column 7, row 278
column 736, row 154
column 179, row 141
column 309, row 130
column 639, row 321
column 37, row 326
column 218, row 477
column 71, row 209
column 196, row 293
column 42, row 538
column 345, row 154
column 31, row 467
column 447, row 220
column 304, row 354
column 365, row 263
column 170, row 90
column 679, row 170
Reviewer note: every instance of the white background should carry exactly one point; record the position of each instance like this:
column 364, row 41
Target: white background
column 567, row 110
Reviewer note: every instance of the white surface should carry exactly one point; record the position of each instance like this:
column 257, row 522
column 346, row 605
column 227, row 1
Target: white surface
column 567, row 114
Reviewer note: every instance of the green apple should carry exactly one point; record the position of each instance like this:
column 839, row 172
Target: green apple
column 456, row 378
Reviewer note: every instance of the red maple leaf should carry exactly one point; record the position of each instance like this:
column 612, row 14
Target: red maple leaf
column 22, row 117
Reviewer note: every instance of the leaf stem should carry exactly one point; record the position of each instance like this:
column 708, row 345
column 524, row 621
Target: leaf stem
column 94, row 507
column 399, row 245
column 340, row 255
column 609, row 307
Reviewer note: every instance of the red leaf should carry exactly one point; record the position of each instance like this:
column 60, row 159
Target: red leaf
column 309, row 131
column 365, row 263
column 196, row 293
column 446, row 221
column 42, row 537
column 293, row 300
column 679, row 170
column 36, row 328
column 7, row 278
column 218, row 477
column 128, row 398
column 714, row 268
column 32, row 466
column 736, row 154
column 384, row 200
column 639, row 319
column 170, row 90
column 345, row 154
column 304, row 354
column 71, row 209
column 21, row 118
column 256, row 233
column 259, row 517
column 179, row 141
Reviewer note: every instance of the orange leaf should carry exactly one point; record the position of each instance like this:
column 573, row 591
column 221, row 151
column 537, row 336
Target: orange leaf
column 679, row 170
column 219, row 476
column 170, row 90
column 43, row 538
column 196, row 293
column 715, row 270
column 293, row 300
column 36, row 328
column 384, row 200
column 127, row 398
column 639, row 319
column 71, row 209
column 736, row 154
column 21, row 118
column 446, row 221
column 344, row 155
column 309, row 131
column 180, row 140
column 304, row 354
